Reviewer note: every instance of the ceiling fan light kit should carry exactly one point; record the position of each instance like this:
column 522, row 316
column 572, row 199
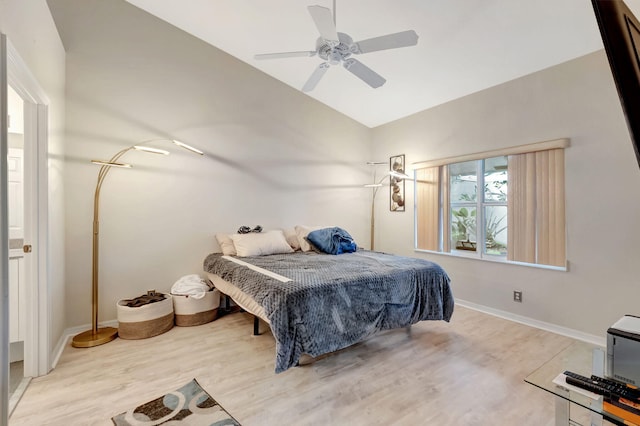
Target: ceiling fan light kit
column 337, row 48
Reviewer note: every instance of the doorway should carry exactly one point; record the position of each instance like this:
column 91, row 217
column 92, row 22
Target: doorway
column 17, row 278
column 26, row 153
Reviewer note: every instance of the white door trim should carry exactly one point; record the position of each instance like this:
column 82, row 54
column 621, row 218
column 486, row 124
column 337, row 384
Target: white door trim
column 22, row 80
column 4, row 241
column 37, row 334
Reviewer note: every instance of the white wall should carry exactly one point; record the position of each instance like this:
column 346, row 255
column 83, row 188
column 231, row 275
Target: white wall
column 577, row 100
column 30, row 28
column 274, row 156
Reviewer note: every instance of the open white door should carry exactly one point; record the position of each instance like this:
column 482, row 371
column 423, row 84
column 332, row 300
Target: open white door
column 37, row 344
column 35, row 293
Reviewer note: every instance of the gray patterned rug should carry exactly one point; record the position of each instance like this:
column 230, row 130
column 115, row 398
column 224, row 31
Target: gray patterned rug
column 189, row 405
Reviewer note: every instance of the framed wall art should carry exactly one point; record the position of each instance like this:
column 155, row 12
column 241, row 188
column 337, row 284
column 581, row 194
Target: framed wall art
column 396, row 186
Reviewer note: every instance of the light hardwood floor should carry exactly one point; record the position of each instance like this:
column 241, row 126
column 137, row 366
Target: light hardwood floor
column 467, row 372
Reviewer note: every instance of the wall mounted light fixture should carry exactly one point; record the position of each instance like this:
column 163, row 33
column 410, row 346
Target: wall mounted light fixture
column 98, row 336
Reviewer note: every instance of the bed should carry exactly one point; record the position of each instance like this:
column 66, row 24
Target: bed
column 318, row 303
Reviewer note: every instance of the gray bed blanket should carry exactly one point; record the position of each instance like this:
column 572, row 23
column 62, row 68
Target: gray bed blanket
column 335, row 301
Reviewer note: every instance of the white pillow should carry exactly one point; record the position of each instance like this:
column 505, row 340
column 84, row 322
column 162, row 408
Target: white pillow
column 226, row 244
column 302, row 231
column 292, row 238
column 261, row 243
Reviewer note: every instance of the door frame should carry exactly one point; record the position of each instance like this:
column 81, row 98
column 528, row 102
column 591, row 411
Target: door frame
column 37, row 346
column 4, row 241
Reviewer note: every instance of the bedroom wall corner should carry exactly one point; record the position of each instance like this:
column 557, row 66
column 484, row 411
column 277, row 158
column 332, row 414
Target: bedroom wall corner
column 273, row 156
column 577, row 100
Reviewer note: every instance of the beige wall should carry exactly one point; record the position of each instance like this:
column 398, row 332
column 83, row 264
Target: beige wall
column 274, row 156
column 30, row 28
column 577, row 100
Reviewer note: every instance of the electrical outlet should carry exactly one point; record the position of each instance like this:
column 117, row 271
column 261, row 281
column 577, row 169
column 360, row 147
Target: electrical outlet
column 517, row 296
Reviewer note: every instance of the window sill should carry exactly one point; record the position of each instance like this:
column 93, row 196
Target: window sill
column 472, row 256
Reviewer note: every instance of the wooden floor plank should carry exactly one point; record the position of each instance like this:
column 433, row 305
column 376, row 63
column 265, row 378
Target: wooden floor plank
column 467, row 372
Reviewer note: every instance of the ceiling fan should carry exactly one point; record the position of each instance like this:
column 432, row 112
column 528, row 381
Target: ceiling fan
column 337, row 48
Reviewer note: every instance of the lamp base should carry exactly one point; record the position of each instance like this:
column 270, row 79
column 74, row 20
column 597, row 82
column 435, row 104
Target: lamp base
column 89, row 339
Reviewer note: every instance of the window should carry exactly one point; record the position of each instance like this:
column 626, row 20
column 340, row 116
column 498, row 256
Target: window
column 505, row 205
column 469, row 207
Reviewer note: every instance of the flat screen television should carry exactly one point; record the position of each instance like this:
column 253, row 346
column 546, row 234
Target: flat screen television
column 620, row 31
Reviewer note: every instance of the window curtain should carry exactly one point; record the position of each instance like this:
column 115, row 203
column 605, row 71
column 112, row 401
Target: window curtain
column 427, row 208
column 446, row 212
column 536, row 210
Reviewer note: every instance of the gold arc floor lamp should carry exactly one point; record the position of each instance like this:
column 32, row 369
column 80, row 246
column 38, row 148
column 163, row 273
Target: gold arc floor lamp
column 376, row 185
column 98, row 336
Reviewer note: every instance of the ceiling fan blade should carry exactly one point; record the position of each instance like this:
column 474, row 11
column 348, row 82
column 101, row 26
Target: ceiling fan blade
column 364, row 73
column 315, row 77
column 284, row 55
column 389, row 41
column 324, row 22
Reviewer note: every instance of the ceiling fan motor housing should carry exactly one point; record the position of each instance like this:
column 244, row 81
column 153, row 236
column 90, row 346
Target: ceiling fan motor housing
column 334, row 53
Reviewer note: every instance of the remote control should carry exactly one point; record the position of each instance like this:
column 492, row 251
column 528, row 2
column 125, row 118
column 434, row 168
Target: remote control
column 586, row 383
column 602, row 386
column 619, row 388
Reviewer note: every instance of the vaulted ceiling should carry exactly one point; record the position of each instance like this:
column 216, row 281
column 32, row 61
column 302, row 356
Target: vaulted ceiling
column 464, row 46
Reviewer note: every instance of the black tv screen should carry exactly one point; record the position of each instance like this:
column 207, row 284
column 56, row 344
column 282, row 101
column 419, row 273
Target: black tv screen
column 620, row 31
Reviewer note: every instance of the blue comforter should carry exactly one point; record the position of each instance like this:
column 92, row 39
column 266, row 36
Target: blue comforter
column 335, row 301
column 332, row 240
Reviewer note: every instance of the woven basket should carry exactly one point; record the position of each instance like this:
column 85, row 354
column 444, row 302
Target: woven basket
column 190, row 311
column 145, row 321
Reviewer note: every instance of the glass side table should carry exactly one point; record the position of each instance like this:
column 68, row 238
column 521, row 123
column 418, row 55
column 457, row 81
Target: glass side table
column 582, row 358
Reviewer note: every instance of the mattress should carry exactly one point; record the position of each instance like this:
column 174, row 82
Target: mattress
column 241, row 298
column 318, row 303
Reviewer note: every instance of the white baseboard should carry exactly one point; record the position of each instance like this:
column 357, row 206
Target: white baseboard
column 18, row 393
column 69, row 333
column 564, row 331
